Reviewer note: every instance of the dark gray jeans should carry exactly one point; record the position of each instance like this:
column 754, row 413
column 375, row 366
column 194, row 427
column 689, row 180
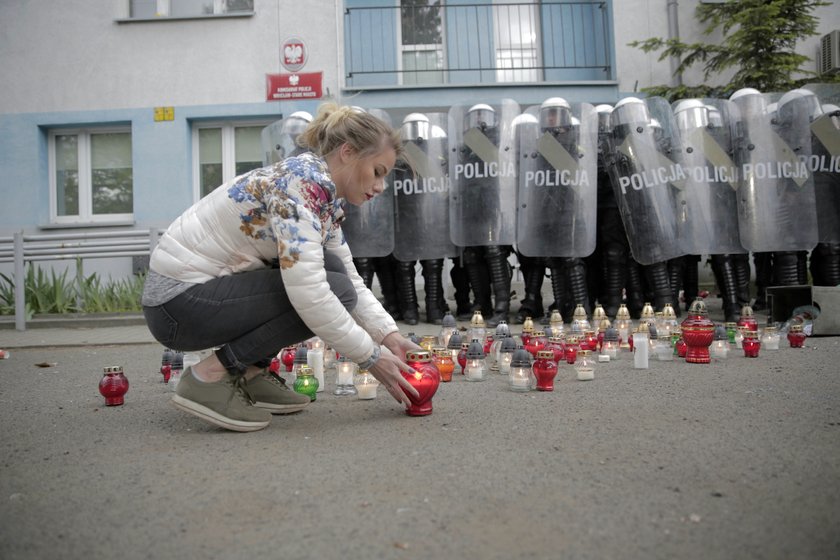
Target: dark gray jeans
column 247, row 315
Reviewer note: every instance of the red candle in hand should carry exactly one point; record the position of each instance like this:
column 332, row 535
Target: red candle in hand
column 426, row 379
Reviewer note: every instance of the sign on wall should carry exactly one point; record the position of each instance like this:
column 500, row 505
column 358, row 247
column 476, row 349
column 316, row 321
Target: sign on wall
column 307, row 85
column 293, row 54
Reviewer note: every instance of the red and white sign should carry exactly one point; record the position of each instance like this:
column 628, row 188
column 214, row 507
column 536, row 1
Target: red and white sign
column 293, row 54
column 306, row 85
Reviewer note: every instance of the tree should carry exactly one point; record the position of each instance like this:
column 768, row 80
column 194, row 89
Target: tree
column 759, row 41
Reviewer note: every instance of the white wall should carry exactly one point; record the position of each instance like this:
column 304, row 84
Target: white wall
column 73, row 55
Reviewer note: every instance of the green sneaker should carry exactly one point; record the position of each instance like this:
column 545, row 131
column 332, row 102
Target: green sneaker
column 270, row 392
column 223, row 403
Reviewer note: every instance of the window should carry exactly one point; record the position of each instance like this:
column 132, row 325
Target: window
column 421, row 42
column 224, row 151
column 148, row 9
column 91, row 175
column 515, row 35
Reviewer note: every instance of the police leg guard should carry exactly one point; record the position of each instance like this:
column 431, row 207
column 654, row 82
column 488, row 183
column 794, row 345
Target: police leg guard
column 676, row 278
column 635, row 288
column 825, row 264
column 407, row 292
column 763, row 277
column 458, row 276
column 691, row 281
column 500, row 277
column 364, row 266
column 656, row 276
column 533, row 272
column 433, row 283
column 742, row 273
column 386, row 273
column 614, row 277
column 728, row 284
column 785, row 268
column 559, row 287
column 479, row 280
column 802, row 267
column 576, row 283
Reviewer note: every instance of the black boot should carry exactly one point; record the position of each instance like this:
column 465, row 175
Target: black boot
column 432, row 270
column 407, row 292
column 500, row 278
column 635, row 288
column 533, row 272
column 691, row 282
column 479, row 280
column 458, row 275
column 386, row 271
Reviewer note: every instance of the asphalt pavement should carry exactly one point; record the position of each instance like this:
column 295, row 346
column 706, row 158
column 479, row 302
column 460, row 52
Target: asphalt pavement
column 734, row 459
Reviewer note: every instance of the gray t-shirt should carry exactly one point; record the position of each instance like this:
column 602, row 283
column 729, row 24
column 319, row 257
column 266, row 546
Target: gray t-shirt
column 159, row 289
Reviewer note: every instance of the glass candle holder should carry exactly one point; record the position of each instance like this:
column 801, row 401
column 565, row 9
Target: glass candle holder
column 305, row 382
column 664, row 352
column 506, row 350
column 428, row 342
column 739, row 338
column 585, row 366
column 462, row 356
column 751, row 344
column 731, row 330
column 571, row 352
column 448, row 326
column 796, row 336
column 365, row 384
column 475, row 368
column 298, row 362
column 478, row 328
column 527, row 330
column 113, row 385
column 770, row 338
column 287, row 357
column 454, row 347
column 345, row 370
column 557, row 347
column 425, row 379
column 545, row 370
column 521, row 377
column 166, row 364
column 443, row 361
column 536, row 342
column 555, row 321
column 719, row 350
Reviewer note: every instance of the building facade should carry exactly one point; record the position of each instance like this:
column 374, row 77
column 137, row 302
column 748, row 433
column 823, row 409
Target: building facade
column 120, row 114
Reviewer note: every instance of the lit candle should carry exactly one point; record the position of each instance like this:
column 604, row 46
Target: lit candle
column 719, row 349
column 474, row 368
column 585, row 366
column 345, row 370
column 366, row 385
column 315, row 360
column 521, row 375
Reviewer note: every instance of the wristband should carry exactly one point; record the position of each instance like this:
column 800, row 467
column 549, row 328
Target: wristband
column 367, row 364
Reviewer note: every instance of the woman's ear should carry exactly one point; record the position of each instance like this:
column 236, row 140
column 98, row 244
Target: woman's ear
column 347, row 152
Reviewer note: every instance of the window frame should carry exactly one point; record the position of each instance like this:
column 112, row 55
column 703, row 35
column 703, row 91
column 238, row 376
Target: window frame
column 228, row 139
column 163, row 10
column 85, row 167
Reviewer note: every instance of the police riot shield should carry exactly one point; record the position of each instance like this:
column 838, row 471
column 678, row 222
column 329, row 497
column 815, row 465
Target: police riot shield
column 369, row 228
column 421, row 191
column 776, row 202
column 482, row 174
column 646, row 174
column 279, row 139
column 707, row 208
column 824, row 162
column 558, row 195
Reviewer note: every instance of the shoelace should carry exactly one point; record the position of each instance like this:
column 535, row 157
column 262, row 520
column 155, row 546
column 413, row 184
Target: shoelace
column 274, row 378
column 240, row 389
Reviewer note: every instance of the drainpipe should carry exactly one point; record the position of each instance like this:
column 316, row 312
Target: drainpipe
column 674, row 33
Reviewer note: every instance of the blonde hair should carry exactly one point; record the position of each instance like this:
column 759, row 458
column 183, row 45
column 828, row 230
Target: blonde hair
column 335, row 125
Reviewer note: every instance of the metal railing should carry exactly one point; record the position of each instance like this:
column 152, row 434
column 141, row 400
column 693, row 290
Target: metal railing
column 22, row 248
column 502, row 43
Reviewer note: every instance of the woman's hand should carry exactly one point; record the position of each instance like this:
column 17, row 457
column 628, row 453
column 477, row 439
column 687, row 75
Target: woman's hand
column 398, row 344
column 387, row 370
